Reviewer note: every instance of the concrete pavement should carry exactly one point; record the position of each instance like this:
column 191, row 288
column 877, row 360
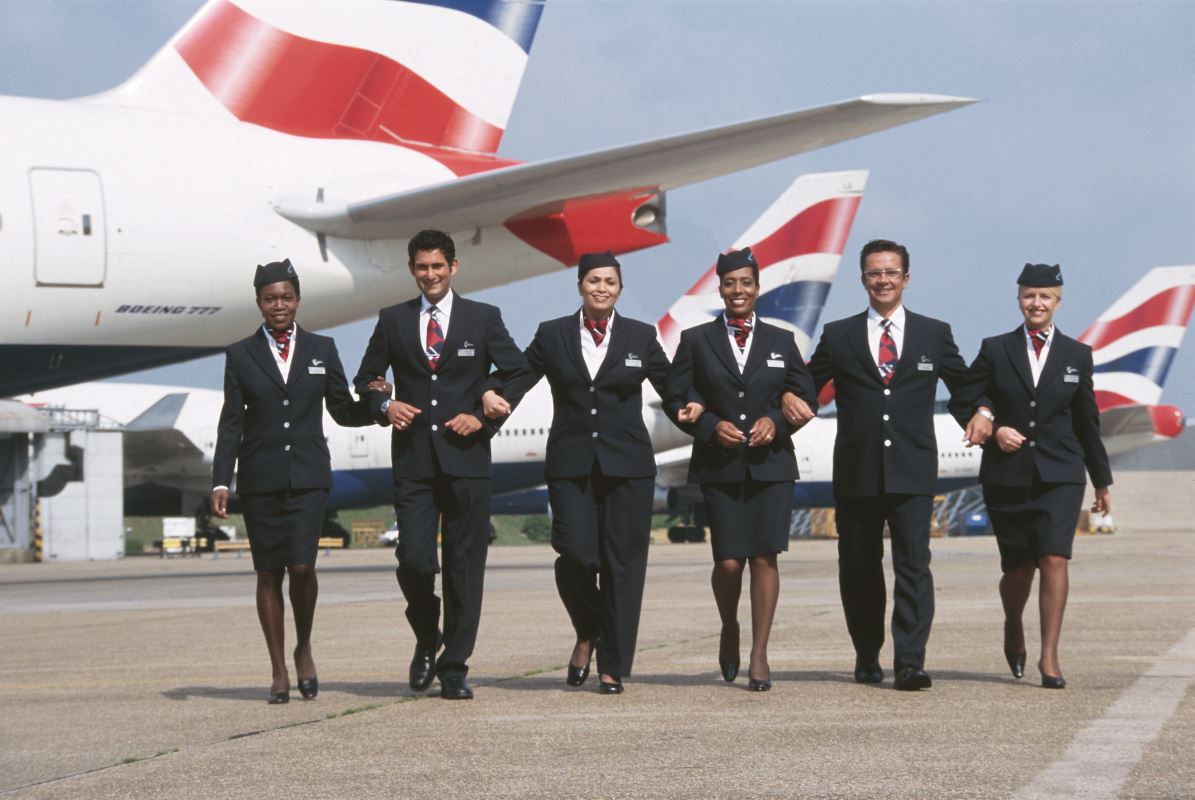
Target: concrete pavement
column 145, row 678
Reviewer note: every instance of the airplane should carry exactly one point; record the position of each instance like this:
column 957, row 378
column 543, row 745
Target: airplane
column 329, row 132
column 169, row 432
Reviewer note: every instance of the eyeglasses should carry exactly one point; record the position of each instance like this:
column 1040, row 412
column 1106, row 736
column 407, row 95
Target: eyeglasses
column 882, row 274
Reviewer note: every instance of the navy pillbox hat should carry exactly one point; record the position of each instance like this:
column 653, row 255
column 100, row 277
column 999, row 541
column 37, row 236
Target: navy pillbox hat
column 274, row 272
column 594, row 260
column 736, row 259
column 1040, row 276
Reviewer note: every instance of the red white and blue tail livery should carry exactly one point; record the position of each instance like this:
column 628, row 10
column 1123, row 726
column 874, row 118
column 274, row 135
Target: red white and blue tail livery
column 798, row 243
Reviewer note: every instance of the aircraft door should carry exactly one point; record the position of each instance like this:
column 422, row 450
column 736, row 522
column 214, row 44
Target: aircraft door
column 359, row 448
column 70, row 236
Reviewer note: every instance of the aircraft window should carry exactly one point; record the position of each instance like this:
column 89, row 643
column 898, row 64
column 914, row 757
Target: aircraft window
column 86, row 224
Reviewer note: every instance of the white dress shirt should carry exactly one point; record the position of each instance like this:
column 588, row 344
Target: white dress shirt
column 443, row 313
column 1036, row 362
column 594, row 354
column 740, row 354
column 283, row 366
column 874, row 330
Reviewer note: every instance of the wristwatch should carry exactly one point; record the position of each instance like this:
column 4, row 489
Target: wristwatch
column 386, row 405
column 983, row 412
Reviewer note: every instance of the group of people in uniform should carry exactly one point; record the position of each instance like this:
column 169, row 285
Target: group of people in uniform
column 737, row 384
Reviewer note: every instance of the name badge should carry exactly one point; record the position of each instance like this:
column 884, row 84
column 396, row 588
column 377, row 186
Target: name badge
column 634, row 362
column 776, row 362
column 465, row 351
column 316, row 370
column 924, row 367
column 1070, row 378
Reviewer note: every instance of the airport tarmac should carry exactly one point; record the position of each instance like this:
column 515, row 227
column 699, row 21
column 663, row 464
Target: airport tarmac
column 147, row 678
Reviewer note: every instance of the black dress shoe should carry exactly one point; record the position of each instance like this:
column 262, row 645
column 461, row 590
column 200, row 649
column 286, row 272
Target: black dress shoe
column 309, row 688
column 578, row 675
column 868, row 671
column 610, row 688
column 757, row 685
column 728, row 663
column 1051, row 681
column 455, row 687
column 423, row 666
column 278, row 698
column 912, row 679
column 1016, row 664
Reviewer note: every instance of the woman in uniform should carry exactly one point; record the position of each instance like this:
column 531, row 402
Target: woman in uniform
column 739, row 367
column 599, row 466
column 276, row 382
column 1046, row 437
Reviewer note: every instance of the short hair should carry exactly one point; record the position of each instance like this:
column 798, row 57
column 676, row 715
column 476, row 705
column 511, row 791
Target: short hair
column 884, row 246
column 292, row 281
column 428, row 240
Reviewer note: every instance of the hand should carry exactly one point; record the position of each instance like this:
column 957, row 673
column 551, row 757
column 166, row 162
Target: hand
column 1103, row 502
column 728, row 435
column 401, row 414
column 796, row 410
column 762, row 432
column 494, row 405
column 379, row 384
column 690, row 413
column 978, row 430
column 220, row 503
column 463, row 424
column 1009, row 439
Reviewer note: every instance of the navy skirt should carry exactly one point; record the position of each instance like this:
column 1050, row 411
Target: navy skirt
column 1032, row 522
column 748, row 518
column 284, row 527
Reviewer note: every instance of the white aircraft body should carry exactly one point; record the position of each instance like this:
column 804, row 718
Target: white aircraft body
column 329, row 132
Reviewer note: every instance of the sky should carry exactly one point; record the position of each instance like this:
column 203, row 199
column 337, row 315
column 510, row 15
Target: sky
column 1080, row 152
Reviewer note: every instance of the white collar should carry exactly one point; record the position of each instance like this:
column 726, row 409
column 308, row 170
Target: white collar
column 897, row 317
column 443, row 308
column 1049, row 333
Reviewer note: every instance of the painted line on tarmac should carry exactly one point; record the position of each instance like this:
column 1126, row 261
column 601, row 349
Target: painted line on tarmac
column 1098, row 761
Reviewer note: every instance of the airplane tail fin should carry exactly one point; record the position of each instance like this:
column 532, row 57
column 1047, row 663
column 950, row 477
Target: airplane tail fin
column 437, row 74
column 1135, row 340
column 798, row 243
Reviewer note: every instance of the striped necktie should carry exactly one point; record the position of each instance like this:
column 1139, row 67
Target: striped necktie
column 887, row 355
column 741, row 329
column 435, row 338
column 281, row 341
column 1039, row 339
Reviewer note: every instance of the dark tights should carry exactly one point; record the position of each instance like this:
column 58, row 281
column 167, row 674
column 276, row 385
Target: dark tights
column 1015, row 587
column 304, row 588
column 727, row 583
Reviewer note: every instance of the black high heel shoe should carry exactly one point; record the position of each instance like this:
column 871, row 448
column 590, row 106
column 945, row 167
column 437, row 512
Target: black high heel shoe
column 729, row 665
column 759, row 684
column 610, row 688
column 1016, row 663
column 309, row 688
column 578, row 675
column 1051, row 681
column 278, row 698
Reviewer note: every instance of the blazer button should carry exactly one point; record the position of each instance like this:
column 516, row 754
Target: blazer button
column 1032, row 424
column 286, row 424
column 435, row 427
column 286, row 447
column 887, row 443
column 434, row 377
column 1033, row 444
column 742, row 394
column 885, row 418
column 742, row 416
column 595, row 434
column 592, row 389
column 887, row 392
column 435, row 402
column 593, row 411
column 286, row 402
column 1033, row 404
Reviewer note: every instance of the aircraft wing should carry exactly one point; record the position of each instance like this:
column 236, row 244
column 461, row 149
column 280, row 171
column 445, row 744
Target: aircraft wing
column 1125, row 428
column 156, row 450
column 672, row 466
column 539, row 188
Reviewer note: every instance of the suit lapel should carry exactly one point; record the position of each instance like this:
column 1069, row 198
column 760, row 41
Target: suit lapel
column 1059, row 355
column 408, row 327
column 300, row 357
column 259, row 350
column 857, row 336
column 761, row 343
column 912, row 344
column 570, row 336
column 620, row 338
column 719, row 341
column 1015, row 346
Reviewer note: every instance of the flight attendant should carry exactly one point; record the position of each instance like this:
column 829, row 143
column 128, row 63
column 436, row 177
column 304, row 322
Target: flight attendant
column 885, row 363
column 276, row 382
column 1035, row 468
column 740, row 366
column 440, row 347
column 600, row 466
